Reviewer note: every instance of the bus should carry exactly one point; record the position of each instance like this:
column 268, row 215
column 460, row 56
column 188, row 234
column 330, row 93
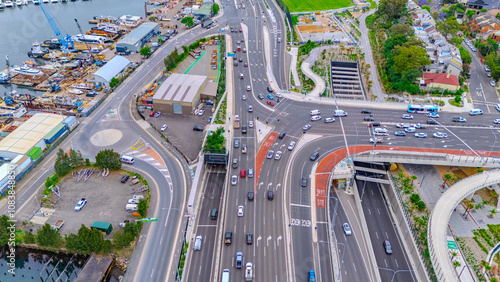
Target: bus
column 419, row 109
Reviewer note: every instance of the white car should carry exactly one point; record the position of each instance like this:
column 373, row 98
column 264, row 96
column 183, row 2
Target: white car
column 278, row 95
column 244, row 97
column 201, row 112
column 315, row 118
column 410, row 129
column 291, row 146
column 278, row 155
column 240, row 211
column 440, row 135
column 421, row 135
column 376, row 140
column 407, row 116
column 497, row 106
column 80, row 204
column 329, row 120
column 163, row 128
column 250, row 123
column 249, row 88
column 347, row 229
column 197, row 243
column 433, row 115
column 133, row 201
column 234, row 180
column 497, row 121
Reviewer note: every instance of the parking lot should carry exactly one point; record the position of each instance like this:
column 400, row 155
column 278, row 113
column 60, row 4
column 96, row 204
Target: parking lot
column 106, row 200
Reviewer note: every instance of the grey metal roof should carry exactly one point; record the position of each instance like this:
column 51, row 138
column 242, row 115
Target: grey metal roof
column 112, row 68
column 139, row 33
column 180, row 87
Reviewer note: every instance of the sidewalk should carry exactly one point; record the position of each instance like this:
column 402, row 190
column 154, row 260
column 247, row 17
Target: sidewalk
column 293, row 65
column 319, row 83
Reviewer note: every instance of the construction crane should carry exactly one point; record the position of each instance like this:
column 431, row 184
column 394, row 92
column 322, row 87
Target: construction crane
column 91, row 55
column 66, row 42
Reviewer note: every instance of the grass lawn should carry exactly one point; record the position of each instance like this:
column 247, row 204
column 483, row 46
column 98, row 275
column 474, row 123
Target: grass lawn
column 317, row 5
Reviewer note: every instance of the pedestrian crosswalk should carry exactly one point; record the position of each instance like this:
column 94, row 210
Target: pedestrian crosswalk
column 152, row 161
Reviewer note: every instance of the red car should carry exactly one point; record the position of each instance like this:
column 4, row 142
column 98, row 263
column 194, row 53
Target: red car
column 151, row 114
column 243, row 173
column 270, row 103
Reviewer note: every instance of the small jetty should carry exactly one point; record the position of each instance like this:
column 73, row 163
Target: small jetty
column 96, row 269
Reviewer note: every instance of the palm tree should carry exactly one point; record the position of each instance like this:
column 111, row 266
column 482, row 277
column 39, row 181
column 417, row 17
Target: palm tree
column 453, row 255
column 456, row 264
column 468, row 206
column 493, row 212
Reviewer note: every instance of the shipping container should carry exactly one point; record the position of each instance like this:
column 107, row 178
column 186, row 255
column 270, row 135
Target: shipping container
column 102, row 226
column 55, row 133
column 23, row 162
column 69, row 121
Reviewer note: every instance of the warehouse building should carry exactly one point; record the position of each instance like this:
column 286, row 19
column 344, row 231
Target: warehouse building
column 204, row 12
column 32, row 137
column 179, row 94
column 114, row 68
column 138, row 37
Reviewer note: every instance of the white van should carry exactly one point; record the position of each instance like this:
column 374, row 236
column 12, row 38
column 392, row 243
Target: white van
column 315, row 112
column 225, row 275
column 131, row 207
column 127, row 159
column 340, row 113
column 380, row 131
column 475, row 112
column 248, row 272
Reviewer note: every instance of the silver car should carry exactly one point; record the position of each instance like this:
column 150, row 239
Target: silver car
column 234, row 180
column 291, row 146
column 270, row 154
column 278, row 155
column 347, row 229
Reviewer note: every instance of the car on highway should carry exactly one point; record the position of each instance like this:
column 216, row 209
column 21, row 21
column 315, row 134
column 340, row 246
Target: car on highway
column 420, row 126
column 163, row 128
column 250, row 108
column 244, row 50
column 303, row 182
column 314, row 156
column 306, row 127
column 243, row 173
column 250, row 195
column 278, row 155
column 270, row 154
column 197, row 243
column 240, row 211
column 376, row 140
column 400, row 133
column 125, row 178
column 271, row 97
column 497, row 106
column 239, row 260
column 234, row 180
column 201, row 112
column 421, row 135
column 373, row 124
column 387, row 247
column 407, row 116
column 411, row 129
column 315, row 118
column 278, row 95
column 235, row 62
column 244, row 97
column 311, row 276
column 365, row 111
column 282, row 135
column 249, row 238
column 80, row 204
column 402, row 125
column 245, row 64
column 439, row 135
column 250, row 123
column 368, row 118
column 497, row 121
column 431, row 121
column 249, row 88
column 458, row 119
column 269, row 89
column 347, row 229
column 243, row 129
column 236, row 143
column 240, row 59
column 329, row 120
column 433, row 115
column 250, row 172
column 260, row 96
column 270, row 195
column 270, row 103
column 291, row 145
column 238, row 42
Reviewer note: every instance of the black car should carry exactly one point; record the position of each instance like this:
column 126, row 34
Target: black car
column 365, row 111
column 368, row 118
column 304, row 182
column 243, row 129
column 250, row 195
column 235, row 63
column 282, row 135
column 197, row 128
column 269, row 89
column 314, row 156
column 270, row 195
column 249, row 238
column 125, row 178
column 431, row 121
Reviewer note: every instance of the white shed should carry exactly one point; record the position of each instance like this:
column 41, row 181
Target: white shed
column 112, row 69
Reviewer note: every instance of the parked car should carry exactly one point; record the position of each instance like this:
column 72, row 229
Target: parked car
column 201, row 112
column 271, row 97
column 157, row 114
column 163, row 128
column 270, row 103
column 80, row 204
column 261, row 97
column 125, row 178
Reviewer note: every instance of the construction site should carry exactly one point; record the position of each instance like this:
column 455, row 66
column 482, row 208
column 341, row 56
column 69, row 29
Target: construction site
column 319, row 27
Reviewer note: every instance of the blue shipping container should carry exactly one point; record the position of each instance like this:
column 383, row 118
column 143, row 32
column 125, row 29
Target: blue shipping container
column 55, row 133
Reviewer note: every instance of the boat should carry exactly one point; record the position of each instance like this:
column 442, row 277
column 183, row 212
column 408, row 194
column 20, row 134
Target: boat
column 19, row 3
column 92, row 39
column 75, row 91
column 36, row 2
column 45, row 1
column 1, row 5
column 53, row 43
column 25, row 70
column 83, row 86
column 64, row 1
column 37, row 51
column 4, row 78
column 9, row 4
column 54, row 1
column 105, row 29
column 25, row 2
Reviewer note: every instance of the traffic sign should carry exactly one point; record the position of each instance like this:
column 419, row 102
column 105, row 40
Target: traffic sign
column 149, row 219
column 452, row 245
column 231, row 54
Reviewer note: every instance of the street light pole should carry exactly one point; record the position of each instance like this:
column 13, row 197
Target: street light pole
column 395, row 271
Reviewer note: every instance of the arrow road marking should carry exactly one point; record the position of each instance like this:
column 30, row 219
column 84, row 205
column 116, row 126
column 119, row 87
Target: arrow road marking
column 269, row 238
column 279, row 238
column 258, row 239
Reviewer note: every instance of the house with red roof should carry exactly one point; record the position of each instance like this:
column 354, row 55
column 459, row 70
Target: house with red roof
column 440, row 81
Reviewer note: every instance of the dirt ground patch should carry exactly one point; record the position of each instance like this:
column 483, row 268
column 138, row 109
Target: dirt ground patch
column 309, row 28
column 106, row 201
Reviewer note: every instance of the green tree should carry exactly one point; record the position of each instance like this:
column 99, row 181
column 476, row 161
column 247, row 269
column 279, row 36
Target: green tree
column 392, row 9
column 456, row 264
column 142, row 207
column 471, row 13
column 108, row 158
column 458, row 99
column 62, row 165
column 4, row 232
column 29, row 238
column 449, row 26
column 76, row 158
column 483, row 10
column 414, row 198
column 114, row 82
column 215, row 8
column 421, row 205
column 435, row 15
column 493, row 212
column 87, row 241
column 215, row 140
column 145, row 51
column 409, row 58
column 466, row 58
column 404, row 29
column 188, row 21
column 426, row 8
column 48, row 237
column 498, row 16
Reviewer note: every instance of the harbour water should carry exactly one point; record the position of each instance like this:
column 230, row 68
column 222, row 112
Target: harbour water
column 21, row 26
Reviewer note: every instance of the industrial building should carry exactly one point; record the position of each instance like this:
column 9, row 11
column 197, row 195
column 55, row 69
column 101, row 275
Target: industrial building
column 346, row 82
column 114, row 68
column 138, row 37
column 32, row 137
column 179, row 94
column 204, row 12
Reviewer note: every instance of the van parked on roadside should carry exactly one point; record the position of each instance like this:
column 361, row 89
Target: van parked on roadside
column 127, row 159
column 131, row 207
